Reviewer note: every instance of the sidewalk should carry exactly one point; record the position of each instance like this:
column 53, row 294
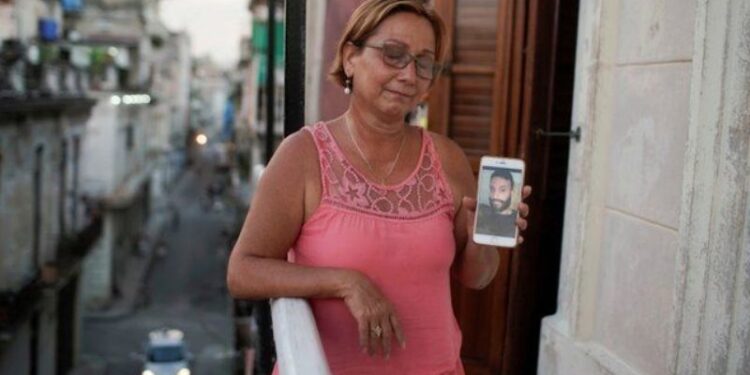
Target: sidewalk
column 132, row 284
column 137, row 266
column 132, row 287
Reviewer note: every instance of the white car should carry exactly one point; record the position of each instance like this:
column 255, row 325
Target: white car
column 166, row 353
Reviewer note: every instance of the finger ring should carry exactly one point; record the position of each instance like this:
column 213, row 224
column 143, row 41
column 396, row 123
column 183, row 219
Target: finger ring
column 377, row 331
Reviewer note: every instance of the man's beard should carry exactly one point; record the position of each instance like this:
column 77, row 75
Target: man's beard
column 504, row 204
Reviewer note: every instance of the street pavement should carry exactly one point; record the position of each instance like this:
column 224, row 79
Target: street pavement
column 183, row 289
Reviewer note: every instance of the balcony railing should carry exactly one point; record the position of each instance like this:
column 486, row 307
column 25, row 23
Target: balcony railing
column 298, row 346
column 23, row 105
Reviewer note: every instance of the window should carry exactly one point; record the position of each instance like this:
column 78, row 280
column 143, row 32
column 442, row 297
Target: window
column 166, row 354
column 37, row 202
column 62, row 184
column 74, row 193
column 129, row 137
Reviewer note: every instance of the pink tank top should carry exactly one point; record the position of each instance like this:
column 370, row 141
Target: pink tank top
column 401, row 237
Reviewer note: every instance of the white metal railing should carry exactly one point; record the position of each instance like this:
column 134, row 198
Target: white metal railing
column 298, row 347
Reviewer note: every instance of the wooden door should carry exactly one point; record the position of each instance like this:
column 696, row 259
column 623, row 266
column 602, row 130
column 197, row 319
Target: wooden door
column 509, row 74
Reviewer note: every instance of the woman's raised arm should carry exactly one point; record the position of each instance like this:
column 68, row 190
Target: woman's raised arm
column 475, row 265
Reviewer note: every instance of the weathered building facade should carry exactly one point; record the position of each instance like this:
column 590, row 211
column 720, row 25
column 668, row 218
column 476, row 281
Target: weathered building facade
column 656, row 249
column 47, row 226
column 170, row 107
column 47, row 230
column 81, row 137
column 142, row 87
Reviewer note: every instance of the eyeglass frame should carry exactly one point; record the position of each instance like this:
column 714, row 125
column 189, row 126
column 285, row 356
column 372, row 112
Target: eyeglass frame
column 436, row 69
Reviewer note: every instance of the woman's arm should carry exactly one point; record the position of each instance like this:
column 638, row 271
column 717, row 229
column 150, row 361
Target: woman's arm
column 257, row 265
column 475, row 265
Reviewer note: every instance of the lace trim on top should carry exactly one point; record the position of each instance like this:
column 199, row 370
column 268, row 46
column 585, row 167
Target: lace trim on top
column 424, row 193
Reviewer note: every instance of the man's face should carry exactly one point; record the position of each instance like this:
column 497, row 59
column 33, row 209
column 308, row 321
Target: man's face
column 500, row 192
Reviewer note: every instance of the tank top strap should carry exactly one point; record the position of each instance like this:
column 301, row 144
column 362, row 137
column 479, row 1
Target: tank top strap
column 328, row 155
column 436, row 169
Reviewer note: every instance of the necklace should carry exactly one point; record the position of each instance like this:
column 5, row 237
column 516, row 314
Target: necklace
column 362, row 154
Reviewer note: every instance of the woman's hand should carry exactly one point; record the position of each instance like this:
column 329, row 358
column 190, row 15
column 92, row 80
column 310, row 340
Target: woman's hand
column 375, row 316
column 470, row 205
column 523, row 212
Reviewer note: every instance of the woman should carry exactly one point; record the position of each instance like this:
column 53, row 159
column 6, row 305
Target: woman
column 374, row 215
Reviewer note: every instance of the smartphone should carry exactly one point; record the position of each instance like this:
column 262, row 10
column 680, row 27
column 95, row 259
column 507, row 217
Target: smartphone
column 498, row 194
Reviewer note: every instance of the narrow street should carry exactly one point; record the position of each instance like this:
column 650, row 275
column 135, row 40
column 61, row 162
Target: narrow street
column 185, row 289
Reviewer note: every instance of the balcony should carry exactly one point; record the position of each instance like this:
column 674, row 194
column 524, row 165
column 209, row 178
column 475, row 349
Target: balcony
column 24, row 105
column 298, row 346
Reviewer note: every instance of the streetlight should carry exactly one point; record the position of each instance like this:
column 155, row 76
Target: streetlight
column 201, row 139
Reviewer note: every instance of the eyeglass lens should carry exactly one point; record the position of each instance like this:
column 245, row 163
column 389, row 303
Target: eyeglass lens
column 397, row 56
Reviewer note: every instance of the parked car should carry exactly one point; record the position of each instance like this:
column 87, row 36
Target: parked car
column 166, row 353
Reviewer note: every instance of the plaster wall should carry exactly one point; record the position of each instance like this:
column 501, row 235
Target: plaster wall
column 98, row 150
column 8, row 26
column 130, row 160
column 96, row 276
column 621, row 239
column 183, row 79
column 113, row 167
column 107, row 162
column 19, row 142
column 713, row 288
column 27, row 13
column 647, row 288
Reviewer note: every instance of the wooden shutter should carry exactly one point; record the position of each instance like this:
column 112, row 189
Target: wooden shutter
column 477, row 103
column 477, row 100
column 510, row 66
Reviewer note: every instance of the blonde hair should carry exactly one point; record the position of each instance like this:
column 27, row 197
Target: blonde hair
column 369, row 15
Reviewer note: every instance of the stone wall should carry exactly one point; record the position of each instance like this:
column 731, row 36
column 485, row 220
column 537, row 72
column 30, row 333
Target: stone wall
column 653, row 96
column 655, row 275
column 20, row 140
column 30, row 143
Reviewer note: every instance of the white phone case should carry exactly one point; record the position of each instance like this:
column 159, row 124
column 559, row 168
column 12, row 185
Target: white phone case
column 498, row 194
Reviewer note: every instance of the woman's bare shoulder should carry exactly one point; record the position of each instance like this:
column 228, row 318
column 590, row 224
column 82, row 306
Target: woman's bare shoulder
column 297, row 145
column 290, row 167
column 452, row 156
column 277, row 210
column 296, row 153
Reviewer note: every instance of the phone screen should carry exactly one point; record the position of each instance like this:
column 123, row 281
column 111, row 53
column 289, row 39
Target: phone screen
column 498, row 196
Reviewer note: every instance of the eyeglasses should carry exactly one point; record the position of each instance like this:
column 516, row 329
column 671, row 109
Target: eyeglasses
column 397, row 56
